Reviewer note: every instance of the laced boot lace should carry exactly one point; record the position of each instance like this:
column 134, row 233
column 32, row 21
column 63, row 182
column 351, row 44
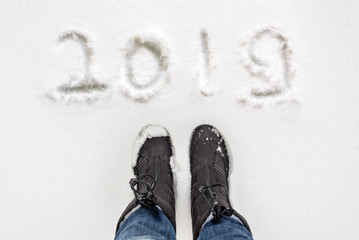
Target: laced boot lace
column 216, row 208
column 147, row 196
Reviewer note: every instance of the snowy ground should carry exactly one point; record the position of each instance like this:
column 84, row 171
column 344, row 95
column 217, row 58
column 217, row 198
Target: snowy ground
column 280, row 79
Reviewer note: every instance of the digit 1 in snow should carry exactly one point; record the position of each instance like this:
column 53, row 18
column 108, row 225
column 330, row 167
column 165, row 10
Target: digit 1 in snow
column 205, row 69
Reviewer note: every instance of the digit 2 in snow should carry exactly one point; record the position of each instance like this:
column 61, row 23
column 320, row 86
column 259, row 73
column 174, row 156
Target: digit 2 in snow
column 80, row 87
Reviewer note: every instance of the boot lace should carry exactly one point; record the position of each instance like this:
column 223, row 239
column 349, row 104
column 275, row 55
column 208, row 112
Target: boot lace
column 147, row 196
column 216, row 208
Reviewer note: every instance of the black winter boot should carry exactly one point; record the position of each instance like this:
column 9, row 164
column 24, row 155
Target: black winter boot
column 209, row 185
column 152, row 165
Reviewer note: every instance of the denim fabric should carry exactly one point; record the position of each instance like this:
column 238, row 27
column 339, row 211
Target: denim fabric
column 153, row 224
column 146, row 224
column 226, row 228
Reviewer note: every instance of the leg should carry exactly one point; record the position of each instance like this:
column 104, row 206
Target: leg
column 227, row 228
column 146, row 224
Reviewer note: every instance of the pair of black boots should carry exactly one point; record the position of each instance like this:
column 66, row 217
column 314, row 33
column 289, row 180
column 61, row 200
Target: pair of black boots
column 209, row 162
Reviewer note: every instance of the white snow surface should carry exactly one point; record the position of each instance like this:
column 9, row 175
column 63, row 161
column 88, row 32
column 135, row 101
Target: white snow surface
column 279, row 79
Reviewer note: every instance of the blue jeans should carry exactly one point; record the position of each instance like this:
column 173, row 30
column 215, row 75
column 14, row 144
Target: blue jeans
column 153, row 224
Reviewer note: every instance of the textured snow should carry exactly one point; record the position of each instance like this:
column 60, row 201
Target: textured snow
column 206, row 67
column 81, row 86
column 157, row 46
column 267, row 55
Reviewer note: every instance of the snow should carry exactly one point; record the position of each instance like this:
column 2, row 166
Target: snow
column 271, row 61
column 206, row 66
column 82, row 87
column 66, row 153
column 129, row 84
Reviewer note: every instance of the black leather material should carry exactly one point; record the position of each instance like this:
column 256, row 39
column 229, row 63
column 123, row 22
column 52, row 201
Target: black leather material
column 209, row 185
